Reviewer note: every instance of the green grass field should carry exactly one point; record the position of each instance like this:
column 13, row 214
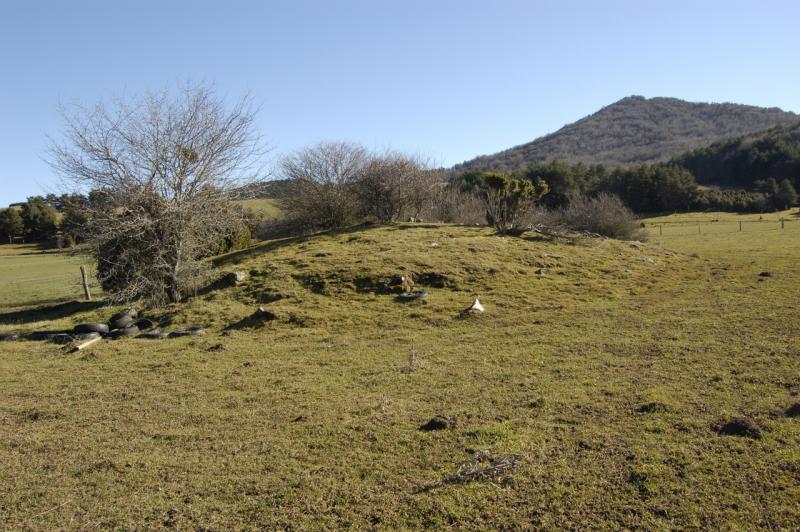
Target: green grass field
column 603, row 374
column 32, row 276
column 267, row 207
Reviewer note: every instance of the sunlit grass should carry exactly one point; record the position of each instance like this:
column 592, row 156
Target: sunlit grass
column 311, row 420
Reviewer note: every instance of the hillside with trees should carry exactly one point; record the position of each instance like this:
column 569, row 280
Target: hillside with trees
column 748, row 161
column 638, row 130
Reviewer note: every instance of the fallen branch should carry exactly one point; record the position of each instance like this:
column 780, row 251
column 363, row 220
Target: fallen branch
column 83, row 345
column 498, row 466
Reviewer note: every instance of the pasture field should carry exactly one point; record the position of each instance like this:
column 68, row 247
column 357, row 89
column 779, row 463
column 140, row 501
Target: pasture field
column 602, row 370
column 32, row 276
column 267, row 207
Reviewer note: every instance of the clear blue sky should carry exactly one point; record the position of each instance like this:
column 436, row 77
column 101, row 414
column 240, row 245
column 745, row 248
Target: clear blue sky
column 448, row 78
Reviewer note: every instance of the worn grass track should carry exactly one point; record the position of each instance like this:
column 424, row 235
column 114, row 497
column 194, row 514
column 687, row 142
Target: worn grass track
column 603, row 373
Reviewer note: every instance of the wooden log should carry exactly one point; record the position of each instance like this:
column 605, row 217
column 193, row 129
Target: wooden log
column 83, row 345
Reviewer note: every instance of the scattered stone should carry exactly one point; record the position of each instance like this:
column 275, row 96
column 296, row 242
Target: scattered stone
column 794, row 410
column 8, row 337
column 438, row 423
column 740, row 426
column 300, row 418
column 216, row 348
column 648, row 260
column 233, row 278
column 544, row 272
column 765, row 274
column 475, row 308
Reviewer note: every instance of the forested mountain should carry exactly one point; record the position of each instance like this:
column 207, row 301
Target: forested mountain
column 743, row 161
column 638, row 130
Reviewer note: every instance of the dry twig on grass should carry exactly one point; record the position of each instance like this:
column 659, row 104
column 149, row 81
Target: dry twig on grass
column 475, row 472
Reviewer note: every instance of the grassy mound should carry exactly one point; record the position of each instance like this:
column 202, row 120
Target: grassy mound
column 587, row 395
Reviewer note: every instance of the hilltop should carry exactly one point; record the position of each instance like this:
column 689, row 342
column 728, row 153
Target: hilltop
column 638, row 130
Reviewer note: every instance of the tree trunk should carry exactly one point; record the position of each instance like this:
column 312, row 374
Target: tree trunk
column 173, row 288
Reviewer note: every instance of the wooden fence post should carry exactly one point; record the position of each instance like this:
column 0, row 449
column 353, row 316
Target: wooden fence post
column 781, row 222
column 660, row 229
column 85, row 284
column 740, row 226
column 698, row 229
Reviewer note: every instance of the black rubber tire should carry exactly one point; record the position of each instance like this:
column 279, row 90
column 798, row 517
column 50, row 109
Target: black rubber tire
column 82, row 337
column 121, row 322
column 131, row 330
column 132, row 312
column 193, row 331
column 145, row 324
column 46, row 336
column 60, row 338
column 86, row 328
column 153, row 335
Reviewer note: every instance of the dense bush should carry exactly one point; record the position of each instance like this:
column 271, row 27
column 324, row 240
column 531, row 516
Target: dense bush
column 603, row 214
column 395, row 186
column 39, row 219
column 451, row 204
column 507, row 198
column 652, row 188
column 11, row 224
column 321, row 185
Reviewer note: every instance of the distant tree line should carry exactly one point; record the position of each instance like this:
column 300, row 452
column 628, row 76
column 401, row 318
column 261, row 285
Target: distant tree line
column 742, row 162
column 62, row 220
column 649, row 188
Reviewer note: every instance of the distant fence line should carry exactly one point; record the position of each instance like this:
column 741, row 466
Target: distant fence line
column 684, row 227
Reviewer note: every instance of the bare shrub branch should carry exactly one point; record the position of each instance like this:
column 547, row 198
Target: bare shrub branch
column 160, row 168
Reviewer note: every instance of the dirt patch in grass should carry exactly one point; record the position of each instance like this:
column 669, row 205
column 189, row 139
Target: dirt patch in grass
column 794, row 410
column 438, row 422
column 739, row 426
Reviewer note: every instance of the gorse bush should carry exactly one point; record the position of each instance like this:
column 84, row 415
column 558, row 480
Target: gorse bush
column 507, row 199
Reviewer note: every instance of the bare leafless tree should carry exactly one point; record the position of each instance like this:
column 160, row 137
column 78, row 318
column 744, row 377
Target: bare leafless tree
column 395, row 186
column 322, row 185
column 160, row 167
column 453, row 205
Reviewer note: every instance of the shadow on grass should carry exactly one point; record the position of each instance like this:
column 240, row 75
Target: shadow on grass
column 49, row 312
column 235, row 257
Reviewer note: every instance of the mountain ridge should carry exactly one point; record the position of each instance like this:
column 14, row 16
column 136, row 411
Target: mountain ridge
column 637, row 130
